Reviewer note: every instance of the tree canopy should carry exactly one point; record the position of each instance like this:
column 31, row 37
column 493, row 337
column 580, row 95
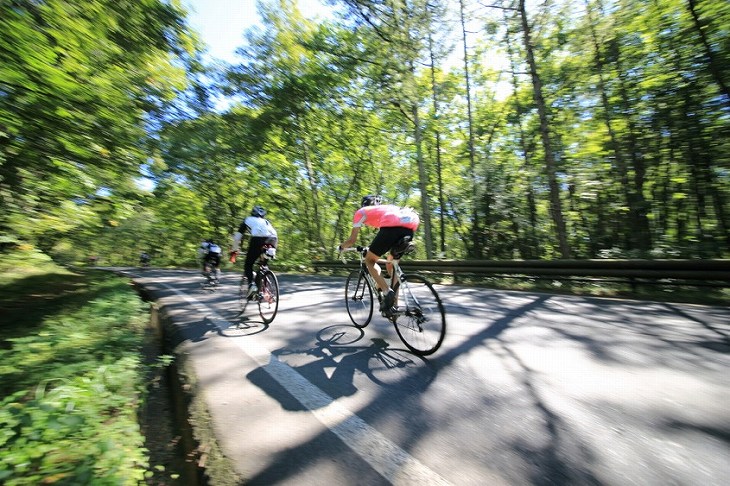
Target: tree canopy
column 561, row 129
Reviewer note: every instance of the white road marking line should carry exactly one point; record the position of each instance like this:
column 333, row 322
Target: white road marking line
column 387, row 458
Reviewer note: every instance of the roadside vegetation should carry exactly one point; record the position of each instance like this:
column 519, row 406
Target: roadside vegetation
column 72, row 375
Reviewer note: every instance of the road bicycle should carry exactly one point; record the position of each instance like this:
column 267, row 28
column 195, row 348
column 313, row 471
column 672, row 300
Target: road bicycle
column 211, row 276
column 418, row 314
column 267, row 295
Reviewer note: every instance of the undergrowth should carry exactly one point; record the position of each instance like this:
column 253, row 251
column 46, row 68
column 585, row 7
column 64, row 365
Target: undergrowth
column 71, row 375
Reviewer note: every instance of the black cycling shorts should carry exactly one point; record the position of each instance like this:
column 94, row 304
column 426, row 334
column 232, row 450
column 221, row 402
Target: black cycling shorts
column 387, row 238
column 213, row 258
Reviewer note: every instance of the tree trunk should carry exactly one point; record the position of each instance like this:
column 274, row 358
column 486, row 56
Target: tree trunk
column 475, row 228
column 422, row 182
column 439, row 181
column 529, row 248
column 312, row 180
column 639, row 206
column 621, row 170
column 712, row 63
column 550, row 165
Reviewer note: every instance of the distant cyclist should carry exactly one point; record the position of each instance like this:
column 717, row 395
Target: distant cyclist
column 144, row 259
column 210, row 254
column 393, row 223
column 262, row 233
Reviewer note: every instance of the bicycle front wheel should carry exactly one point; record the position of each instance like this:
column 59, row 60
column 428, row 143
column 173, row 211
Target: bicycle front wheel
column 420, row 320
column 359, row 299
column 268, row 297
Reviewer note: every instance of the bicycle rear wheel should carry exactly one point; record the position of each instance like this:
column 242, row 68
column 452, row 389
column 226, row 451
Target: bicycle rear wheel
column 420, row 320
column 268, row 296
column 242, row 294
column 359, row 299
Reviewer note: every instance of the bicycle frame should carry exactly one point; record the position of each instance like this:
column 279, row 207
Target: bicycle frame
column 267, row 295
column 396, row 280
column 419, row 317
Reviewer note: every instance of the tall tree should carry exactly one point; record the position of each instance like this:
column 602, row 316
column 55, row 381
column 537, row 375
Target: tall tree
column 475, row 232
column 78, row 83
column 403, row 30
column 550, row 163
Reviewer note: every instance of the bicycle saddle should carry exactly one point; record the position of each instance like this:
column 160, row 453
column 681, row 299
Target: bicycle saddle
column 404, row 246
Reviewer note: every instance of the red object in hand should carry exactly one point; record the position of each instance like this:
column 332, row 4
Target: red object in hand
column 232, row 257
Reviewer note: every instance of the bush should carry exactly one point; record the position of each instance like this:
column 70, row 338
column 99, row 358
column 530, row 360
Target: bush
column 73, row 381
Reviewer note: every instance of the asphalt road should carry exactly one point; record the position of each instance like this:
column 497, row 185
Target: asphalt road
column 527, row 389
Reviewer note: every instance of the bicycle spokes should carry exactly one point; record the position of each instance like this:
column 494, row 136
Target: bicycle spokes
column 420, row 320
column 360, row 292
column 268, row 297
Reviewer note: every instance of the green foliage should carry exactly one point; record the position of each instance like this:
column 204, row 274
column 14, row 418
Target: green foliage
column 82, row 431
column 77, row 80
column 72, row 381
column 373, row 100
column 25, row 263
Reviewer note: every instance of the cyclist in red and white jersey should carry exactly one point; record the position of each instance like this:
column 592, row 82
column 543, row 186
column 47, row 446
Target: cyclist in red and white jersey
column 393, row 223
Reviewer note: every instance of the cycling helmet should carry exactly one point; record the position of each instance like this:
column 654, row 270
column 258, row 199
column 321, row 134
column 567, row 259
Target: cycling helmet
column 258, row 211
column 371, row 200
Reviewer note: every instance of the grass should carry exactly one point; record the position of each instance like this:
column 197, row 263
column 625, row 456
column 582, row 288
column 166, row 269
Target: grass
column 71, row 375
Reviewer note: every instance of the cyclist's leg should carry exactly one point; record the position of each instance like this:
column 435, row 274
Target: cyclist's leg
column 389, row 269
column 393, row 281
column 243, row 298
column 254, row 250
column 382, row 242
column 371, row 259
column 207, row 269
column 216, row 267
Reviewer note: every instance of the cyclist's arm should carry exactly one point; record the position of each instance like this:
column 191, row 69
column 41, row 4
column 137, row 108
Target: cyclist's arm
column 237, row 241
column 352, row 239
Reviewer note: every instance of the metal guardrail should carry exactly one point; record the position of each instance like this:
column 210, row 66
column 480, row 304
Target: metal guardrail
column 633, row 271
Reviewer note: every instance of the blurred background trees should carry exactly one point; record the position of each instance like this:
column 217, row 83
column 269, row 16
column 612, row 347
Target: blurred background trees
column 518, row 129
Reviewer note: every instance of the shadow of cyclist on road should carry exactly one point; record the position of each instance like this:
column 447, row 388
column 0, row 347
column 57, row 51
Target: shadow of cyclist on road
column 339, row 359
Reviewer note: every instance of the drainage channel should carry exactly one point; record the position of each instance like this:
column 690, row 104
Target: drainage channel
column 175, row 456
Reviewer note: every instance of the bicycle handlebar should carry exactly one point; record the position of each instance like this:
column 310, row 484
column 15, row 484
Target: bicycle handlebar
column 360, row 249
